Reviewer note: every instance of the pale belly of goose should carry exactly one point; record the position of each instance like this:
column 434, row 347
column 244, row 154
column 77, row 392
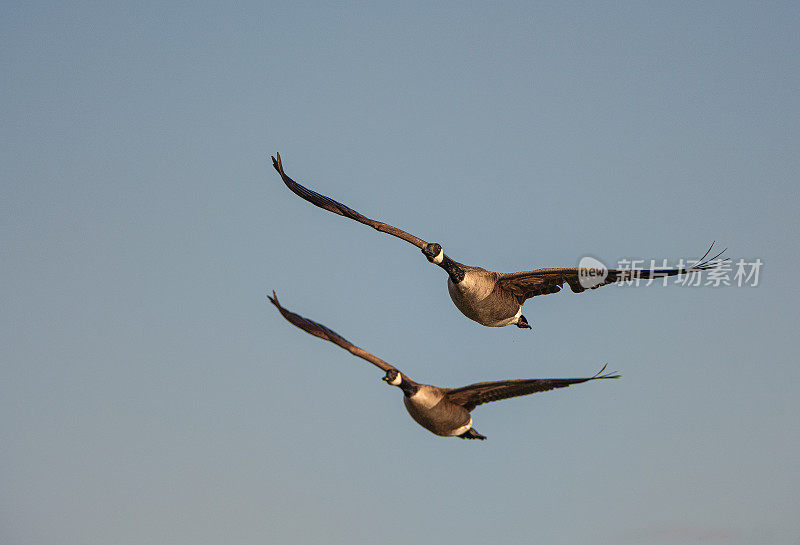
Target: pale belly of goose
column 482, row 303
column 436, row 415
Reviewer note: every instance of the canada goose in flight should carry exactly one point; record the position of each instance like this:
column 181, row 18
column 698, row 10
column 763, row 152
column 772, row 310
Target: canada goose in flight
column 487, row 297
column 443, row 411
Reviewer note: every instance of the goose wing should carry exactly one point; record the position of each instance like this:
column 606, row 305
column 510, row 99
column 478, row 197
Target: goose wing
column 527, row 284
column 338, row 208
column 473, row 395
column 319, row 330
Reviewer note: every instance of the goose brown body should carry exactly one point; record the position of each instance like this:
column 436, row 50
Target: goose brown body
column 430, row 408
column 479, row 297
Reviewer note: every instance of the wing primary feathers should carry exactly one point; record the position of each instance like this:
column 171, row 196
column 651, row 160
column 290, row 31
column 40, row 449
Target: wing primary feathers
column 527, row 284
column 318, row 330
column 336, row 207
column 702, row 264
column 711, row 262
column 473, row 395
column 599, row 374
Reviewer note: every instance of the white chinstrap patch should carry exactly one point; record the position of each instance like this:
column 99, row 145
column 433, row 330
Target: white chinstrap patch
column 463, row 429
column 397, row 380
column 438, row 258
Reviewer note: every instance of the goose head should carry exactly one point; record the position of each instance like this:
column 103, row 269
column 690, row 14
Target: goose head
column 396, row 378
column 434, row 253
column 393, row 377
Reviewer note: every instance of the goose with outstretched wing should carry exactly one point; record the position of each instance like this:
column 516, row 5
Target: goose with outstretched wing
column 490, row 298
column 443, row 411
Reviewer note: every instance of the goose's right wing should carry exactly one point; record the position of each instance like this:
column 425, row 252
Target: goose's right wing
column 527, row 284
column 338, row 208
column 473, row 395
column 319, row 330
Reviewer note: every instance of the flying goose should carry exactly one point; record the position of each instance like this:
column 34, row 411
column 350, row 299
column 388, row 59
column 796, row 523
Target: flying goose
column 443, row 411
column 487, row 297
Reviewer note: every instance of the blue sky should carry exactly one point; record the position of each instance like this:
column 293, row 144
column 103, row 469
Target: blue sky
column 149, row 392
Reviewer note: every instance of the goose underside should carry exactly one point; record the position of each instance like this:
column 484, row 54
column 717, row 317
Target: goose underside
column 496, row 309
column 444, row 419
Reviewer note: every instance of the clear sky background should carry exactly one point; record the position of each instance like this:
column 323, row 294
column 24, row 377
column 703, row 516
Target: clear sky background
column 149, row 394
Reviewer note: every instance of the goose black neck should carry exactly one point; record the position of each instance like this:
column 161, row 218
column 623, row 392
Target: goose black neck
column 409, row 388
column 454, row 270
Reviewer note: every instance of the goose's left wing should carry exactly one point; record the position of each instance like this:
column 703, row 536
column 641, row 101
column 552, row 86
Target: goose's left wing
column 319, row 330
column 527, row 284
column 473, row 395
column 338, row 208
